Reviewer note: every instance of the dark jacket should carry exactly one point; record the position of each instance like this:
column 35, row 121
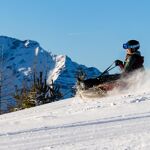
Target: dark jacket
column 133, row 61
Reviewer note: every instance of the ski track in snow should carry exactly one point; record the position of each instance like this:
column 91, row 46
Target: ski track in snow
column 85, row 123
column 58, row 137
column 120, row 122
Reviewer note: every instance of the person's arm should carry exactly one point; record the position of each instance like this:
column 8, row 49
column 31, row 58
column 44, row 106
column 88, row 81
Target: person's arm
column 129, row 64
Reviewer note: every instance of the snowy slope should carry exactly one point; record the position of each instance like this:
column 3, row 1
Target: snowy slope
column 117, row 122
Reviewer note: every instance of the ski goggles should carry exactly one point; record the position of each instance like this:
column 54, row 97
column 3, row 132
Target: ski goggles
column 127, row 46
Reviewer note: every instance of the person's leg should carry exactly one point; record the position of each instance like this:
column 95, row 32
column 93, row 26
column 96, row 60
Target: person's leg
column 88, row 83
column 108, row 78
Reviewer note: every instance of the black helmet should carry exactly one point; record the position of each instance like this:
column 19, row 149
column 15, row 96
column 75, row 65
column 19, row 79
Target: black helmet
column 133, row 44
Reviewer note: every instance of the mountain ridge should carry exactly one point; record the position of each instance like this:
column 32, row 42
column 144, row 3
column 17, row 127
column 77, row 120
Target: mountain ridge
column 21, row 58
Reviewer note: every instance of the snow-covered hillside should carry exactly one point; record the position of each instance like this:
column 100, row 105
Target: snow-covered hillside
column 117, row 122
column 113, row 123
column 19, row 59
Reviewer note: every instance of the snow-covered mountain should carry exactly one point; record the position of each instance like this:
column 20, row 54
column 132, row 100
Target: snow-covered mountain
column 22, row 58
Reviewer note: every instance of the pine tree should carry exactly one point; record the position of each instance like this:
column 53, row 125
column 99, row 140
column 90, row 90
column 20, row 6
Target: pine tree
column 39, row 93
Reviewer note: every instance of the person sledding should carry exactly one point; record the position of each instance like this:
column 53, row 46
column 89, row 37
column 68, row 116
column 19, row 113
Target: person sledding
column 133, row 61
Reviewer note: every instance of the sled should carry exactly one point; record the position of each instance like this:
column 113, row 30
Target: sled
column 99, row 86
column 100, row 90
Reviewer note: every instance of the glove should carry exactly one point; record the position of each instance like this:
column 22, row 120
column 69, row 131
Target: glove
column 118, row 62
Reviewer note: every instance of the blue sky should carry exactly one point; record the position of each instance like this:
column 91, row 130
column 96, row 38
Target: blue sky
column 90, row 32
